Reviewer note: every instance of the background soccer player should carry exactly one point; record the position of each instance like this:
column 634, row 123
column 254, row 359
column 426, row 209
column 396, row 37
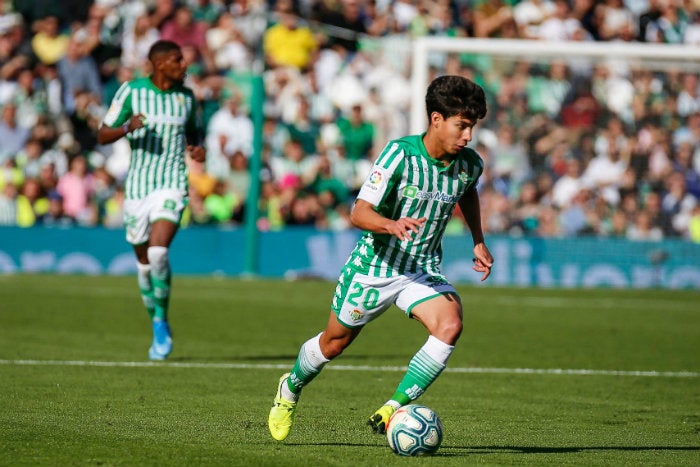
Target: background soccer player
column 158, row 116
column 403, row 208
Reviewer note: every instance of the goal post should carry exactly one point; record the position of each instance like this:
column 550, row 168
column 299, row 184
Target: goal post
column 655, row 55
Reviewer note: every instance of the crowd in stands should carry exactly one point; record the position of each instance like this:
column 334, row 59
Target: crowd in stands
column 571, row 147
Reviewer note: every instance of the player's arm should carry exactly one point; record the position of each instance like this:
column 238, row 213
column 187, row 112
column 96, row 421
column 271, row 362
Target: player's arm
column 107, row 134
column 365, row 217
column 194, row 138
column 469, row 204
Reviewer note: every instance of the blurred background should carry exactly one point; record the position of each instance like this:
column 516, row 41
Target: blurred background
column 592, row 162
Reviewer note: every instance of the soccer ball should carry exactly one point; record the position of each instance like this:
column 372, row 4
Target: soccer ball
column 414, row 430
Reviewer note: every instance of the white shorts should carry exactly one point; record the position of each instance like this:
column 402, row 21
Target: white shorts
column 140, row 214
column 359, row 298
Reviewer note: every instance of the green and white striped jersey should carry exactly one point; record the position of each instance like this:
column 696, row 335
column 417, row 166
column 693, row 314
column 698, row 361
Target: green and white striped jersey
column 406, row 182
column 157, row 149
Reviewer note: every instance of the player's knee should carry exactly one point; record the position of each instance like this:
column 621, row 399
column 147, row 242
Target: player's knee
column 158, row 257
column 449, row 331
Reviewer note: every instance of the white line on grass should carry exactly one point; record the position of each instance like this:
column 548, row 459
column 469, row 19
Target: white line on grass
column 279, row 366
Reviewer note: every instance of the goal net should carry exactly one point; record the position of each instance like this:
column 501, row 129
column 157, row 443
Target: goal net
column 492, row 59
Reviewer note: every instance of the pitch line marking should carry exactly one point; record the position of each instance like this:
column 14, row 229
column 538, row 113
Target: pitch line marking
column 280, row 366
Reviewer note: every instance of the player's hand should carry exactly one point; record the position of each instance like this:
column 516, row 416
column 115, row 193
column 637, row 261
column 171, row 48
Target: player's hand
column 483, row 261
column 197, row 153
column 404, row 228
column 136, row 122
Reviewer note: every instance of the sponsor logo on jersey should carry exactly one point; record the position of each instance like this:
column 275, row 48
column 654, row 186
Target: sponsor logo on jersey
column 412, row 192
column 437, row 280
column 375, row 179
column 166, row 120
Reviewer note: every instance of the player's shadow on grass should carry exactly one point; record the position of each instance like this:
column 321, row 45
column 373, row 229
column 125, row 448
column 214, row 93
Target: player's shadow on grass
column 459, row 451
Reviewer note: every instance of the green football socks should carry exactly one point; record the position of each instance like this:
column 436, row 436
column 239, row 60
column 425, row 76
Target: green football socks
column 424, row 368
column 160, row 278
column 146, row 287
column 309, row 363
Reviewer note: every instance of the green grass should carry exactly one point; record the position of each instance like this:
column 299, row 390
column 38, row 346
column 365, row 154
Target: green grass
column 208, row 405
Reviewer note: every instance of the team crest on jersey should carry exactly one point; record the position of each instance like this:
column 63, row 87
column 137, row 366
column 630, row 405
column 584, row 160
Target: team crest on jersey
column 464, row 177
column 356, row 315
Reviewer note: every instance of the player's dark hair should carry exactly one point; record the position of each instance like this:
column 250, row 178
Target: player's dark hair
column 160, row 48
column 452, row 95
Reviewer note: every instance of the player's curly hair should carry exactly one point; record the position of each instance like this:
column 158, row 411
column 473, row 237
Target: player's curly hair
column 160, row 48
column 451, row 95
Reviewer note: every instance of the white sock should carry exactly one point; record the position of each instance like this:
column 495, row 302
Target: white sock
column 437, row 349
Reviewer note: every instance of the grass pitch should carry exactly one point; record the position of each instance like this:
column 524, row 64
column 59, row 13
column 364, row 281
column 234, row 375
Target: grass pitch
column 539, row 377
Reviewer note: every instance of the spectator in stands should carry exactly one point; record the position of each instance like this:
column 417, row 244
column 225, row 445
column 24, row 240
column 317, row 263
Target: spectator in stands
column 12, row 135
column 230, row 129
column 8, row 204
column 668, row 27
column 560, row 25
column 228, row 45
column 161, row 11
column 324, row 181
column 643, row 230
column 303, row 127
column 529, row 15
column 688, row 101
column 102, row 34
column 510, row 165
column 270, row 207
column 206, row 11
column 56, row 217
column 546, row 91
column 113, row 215
column 677, row 204
column 604, row 172
column 32, row 204
column 76, row 187
column 582, row 110
column 683, row 163
column 238, row 180
column 294, row 161
column 548, row 223
column 692, row 31
column 86, row 120
column 694, row 225
column 615, row 21
column 189, row 34
column 221, row 204
column 28, row 158
column 493, row 18
column 78, row 73
column 579, row 216
column 289, row 43
column 348, row 24
column 49, row 44
column 568, row 185
column 31, row 101
column 357, row 134
column 137, row 40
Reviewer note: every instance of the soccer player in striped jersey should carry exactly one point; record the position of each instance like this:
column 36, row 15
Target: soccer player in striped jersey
column 158, row 116
column 403, row 208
